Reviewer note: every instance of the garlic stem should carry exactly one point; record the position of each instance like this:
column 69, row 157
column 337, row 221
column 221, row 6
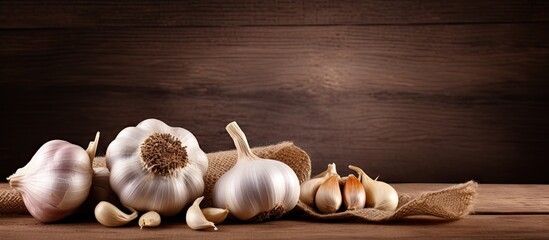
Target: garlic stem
column 92, row 147
column 240, row 141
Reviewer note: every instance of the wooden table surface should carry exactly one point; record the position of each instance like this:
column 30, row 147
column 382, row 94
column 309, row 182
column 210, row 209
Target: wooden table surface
column 510, row 211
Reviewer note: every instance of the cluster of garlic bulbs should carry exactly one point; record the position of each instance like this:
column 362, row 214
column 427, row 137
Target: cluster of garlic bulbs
column 328, row 192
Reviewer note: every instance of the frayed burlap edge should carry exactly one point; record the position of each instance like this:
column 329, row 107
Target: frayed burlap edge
column 452, row 202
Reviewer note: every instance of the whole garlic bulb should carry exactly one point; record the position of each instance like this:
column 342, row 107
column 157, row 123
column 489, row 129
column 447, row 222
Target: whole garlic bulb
column 57, row 179
column 155, row 167
column 255, row 189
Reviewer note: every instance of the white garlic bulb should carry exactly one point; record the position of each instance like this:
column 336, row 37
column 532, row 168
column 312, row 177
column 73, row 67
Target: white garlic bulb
column 379, row 195
column 255, row 189
column 57, row 179
column 155, row 167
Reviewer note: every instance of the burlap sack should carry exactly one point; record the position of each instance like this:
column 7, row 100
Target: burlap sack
column 449, row 203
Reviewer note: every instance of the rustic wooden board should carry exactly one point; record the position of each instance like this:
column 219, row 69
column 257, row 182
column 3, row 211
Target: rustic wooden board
column 470, row 227
column 496, row 198
column 69, row 14
column 508, row 212
column 436, row 103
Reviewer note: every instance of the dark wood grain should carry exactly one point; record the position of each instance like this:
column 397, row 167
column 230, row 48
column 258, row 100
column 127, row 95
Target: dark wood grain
column 519, row 212
column 437, row 103
column 74, row 14
column 471, row 227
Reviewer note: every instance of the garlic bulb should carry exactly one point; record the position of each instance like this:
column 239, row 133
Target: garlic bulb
column 255, row 189
column 328, row 197
column 196, row 219
column 215, row 215
column 354, row 195
column 110, row 216
column 155, row 167
column 149, row 219
column 310, row 187
column 379, row 195
column 57, row 179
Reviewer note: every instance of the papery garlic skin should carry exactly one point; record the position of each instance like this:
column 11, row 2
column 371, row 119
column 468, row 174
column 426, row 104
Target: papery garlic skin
column 255, row 189
column 310, row 187
column 56, row 181
column 155, row 167
column 379, row 195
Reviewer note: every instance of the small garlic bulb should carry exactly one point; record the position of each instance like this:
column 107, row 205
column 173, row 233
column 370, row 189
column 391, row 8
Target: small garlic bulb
column 155, row 167
column 255, row 189
column 328, row 197
column 310, row 187
column 354, row 195
column 379, row 195
column 57, row 179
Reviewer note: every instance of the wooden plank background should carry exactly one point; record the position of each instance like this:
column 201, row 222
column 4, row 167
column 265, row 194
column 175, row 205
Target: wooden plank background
column 413, row 91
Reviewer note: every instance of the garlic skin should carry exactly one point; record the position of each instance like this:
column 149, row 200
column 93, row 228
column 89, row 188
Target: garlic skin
column 328, row 197
column 110, row 216
column 56, row 181
column 310, row 187
column 379, row 195
column 354, row 195
column 255, row 189
column 155, row 167
column 215, row 215
column 149, row 219
column 196, row 219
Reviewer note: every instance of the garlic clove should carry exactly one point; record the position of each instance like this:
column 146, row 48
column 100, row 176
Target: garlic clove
column 354, row 195
column 215, row 215
column 196, row 219
column 379, row 195
column 309, row 188
column 328, row 197
column 110, row 216
column 149, row 219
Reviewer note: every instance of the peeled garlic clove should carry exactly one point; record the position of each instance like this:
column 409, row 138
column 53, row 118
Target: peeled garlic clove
column 149, row 219
column 110, row 216
column 379, row 195
column 196, row 219
column 309, row 188
column 328, row 197
column 354, row 195
column 215, row 215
